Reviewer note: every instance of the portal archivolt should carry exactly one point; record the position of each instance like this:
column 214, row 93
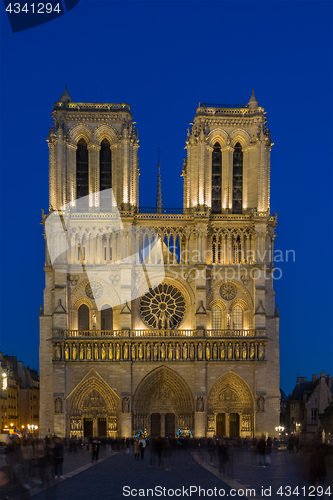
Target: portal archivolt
column 232, row 398
column 93, row 408
column 163, row 392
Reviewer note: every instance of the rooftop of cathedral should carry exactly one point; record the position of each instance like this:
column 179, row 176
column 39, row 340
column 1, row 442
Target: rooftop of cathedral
column 251, row 108
column 66, row 103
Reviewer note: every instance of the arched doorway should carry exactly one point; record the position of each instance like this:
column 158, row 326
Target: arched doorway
column 162, row 404
column 93, row 408
column 230, row 407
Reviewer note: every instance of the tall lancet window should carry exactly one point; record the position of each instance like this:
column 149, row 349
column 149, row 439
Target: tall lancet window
column 82, row 184
column 237, row 318
column 105, row 173
column 83, row 317
column 216, row 318
column 237, row 180
column 216, row 179
column 106, row 318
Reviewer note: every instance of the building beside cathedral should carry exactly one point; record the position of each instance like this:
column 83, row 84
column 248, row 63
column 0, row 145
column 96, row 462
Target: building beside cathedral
column 188, row 339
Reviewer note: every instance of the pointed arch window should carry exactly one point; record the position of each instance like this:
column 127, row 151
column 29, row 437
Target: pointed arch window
column 237, row 180
column 105, row 173
column 237, row 318
column 83, row 317
column 106, row 317
column 216, row 178
column 216, row 318
column 82, row 170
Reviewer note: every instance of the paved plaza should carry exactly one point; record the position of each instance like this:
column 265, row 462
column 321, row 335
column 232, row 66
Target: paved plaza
column 244, row 478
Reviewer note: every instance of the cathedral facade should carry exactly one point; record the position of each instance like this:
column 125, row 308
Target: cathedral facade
column 184, row 337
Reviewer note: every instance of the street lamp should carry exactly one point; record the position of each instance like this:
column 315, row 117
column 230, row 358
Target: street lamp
column 32, row 428
column 279, row 429
column 4, row 381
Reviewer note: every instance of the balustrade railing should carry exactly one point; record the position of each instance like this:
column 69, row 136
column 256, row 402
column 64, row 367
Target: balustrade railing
column 236, row 333
column 259, row 332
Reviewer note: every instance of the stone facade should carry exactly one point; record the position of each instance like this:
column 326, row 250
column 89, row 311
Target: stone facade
column 307, row 401
column 198, row 348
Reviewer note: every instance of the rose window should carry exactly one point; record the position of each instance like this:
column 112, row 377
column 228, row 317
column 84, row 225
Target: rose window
column 163, row 307
column 94, row 290
column 228, row 291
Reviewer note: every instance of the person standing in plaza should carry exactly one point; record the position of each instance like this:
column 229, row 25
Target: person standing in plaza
column 142, row 447
column 159, row 449
column 152, row 452
column 269, row 445
column 261, row 447
column 95, row 450
column 136, row 449
column 222, row 451
column 58, row 457
column 108, row 446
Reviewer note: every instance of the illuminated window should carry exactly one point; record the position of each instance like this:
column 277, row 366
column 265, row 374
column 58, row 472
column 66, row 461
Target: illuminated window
column 105, row 173
column 82, row 182
column 83, row 317
column 237, row 318
column 216, row 179
column 237, row 180
column 216, row 318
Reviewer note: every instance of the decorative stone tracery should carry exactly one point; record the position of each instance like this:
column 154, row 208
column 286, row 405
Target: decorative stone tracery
column 163, row 391
column 231, row 394
column 163, row 307
column 93, row 398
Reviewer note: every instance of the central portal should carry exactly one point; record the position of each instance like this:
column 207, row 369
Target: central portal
column 163, row 425
column 155, row 427
column 170, row 430
column 162, row 404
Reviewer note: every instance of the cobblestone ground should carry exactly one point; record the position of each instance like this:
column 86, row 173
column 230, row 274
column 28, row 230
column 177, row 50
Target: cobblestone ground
column 107, row 479
column 286, row 469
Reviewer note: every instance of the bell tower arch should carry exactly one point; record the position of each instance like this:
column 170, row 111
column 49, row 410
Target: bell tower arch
column 227, row 170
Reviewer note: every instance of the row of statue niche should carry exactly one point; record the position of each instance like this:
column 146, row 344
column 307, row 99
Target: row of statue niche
column 200, row 404
column 76, row 425
column 156, row 351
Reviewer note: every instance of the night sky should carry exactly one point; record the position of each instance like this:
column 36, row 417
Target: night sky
column 163, row 58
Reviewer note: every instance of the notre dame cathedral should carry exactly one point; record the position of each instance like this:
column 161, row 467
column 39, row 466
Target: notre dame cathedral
column 187, row 337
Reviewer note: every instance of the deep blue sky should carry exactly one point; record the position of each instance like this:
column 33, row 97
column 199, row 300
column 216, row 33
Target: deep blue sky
column 163, row 58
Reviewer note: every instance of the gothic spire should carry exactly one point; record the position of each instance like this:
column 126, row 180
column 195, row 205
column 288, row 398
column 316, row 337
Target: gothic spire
column 159, row 188
column 65, row 97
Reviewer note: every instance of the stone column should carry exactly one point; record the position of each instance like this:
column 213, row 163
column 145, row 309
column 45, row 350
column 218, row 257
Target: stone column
column 71, row 174
column 95, row 427
column 226, row 177
column 93, row 155
column 126, row 425
column 60, row 169
column 227, row 424
column 246, row 162
column 208, row 177
column 125, row 168
column 199, row 424
column 201, row 169
column 162, row 424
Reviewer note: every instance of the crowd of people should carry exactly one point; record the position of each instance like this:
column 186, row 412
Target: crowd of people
column 34, row 462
